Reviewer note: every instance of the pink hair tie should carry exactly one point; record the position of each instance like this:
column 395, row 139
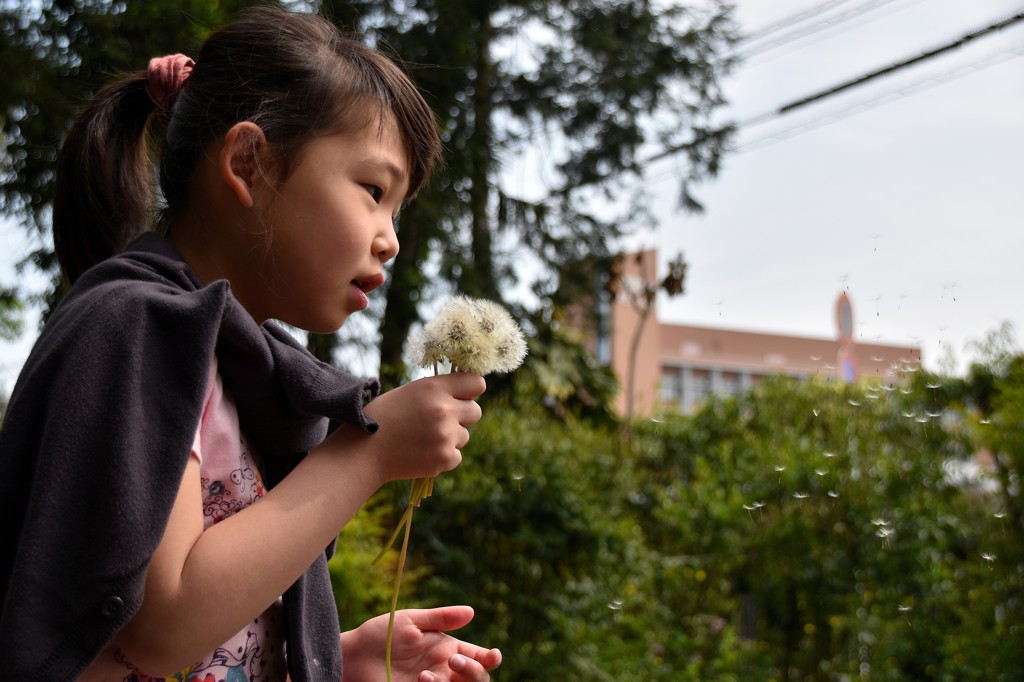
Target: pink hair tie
column 165, row 77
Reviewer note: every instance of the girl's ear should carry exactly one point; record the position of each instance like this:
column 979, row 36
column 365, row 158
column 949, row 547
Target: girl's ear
column 239, row 162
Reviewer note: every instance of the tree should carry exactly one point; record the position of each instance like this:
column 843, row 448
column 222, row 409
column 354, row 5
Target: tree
column 601, row 83
column 53, row 56
column 826, row 525
column 802, row 530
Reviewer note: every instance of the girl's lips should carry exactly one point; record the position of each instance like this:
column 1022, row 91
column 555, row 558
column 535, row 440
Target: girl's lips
column 364, row 286
column 368, row 284
column 361, row 300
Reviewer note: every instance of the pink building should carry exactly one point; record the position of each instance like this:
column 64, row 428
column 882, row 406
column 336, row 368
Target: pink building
column 676, row 367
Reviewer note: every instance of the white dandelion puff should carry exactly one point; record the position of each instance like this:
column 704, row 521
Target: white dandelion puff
column 472, row 335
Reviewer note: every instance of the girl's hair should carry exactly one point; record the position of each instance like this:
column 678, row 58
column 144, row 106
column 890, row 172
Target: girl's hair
column 294, row 75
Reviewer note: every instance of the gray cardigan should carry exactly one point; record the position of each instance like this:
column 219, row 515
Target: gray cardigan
column 95, row 441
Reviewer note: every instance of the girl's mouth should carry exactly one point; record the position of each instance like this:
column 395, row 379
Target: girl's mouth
column 364, row 286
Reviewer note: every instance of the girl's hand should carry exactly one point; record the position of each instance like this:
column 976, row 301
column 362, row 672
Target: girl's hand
column 423, row 425
column 421, row 652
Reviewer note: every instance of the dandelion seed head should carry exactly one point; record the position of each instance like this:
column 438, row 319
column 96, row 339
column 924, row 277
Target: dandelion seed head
column 473, row 335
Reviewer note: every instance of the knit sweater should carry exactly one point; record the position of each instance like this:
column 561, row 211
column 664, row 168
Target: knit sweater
column 102, row 420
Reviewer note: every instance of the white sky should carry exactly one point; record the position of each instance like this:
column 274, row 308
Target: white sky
column 908, row 192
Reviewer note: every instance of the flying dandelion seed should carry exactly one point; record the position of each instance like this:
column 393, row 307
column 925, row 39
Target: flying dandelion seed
column 801, row 495
column 905, row 610
column 885, row 533
column 755, row 506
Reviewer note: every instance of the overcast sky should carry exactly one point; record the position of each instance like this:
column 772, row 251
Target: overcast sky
column 907, row 193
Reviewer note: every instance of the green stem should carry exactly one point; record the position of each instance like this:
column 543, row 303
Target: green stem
column 407, row 517
column 421, row 488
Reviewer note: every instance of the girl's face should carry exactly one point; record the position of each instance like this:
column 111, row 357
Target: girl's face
column 331, row 227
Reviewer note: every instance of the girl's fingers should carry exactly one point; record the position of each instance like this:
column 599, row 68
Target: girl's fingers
column 440, row 619
column 465, row 386
column 470, row 669
column 489, row 659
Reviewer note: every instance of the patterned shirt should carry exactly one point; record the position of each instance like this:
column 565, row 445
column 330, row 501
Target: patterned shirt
column 231, row 482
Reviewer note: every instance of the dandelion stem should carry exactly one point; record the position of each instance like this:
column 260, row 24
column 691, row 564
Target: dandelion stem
column 407, row 521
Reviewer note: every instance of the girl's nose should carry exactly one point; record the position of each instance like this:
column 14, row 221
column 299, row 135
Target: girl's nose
column 385, row 246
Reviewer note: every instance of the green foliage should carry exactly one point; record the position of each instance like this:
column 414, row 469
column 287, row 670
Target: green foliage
column 505, row 77
column 361, row 590
column 800, row 531
column 54, row 55
column 10, row 315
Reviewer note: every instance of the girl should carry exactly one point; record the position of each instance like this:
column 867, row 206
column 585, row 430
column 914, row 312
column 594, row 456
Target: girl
column 172, row 464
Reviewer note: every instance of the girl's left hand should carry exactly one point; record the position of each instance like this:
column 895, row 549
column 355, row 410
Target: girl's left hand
column 420, row 649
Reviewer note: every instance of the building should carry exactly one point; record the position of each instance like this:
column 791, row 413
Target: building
column 676, row 367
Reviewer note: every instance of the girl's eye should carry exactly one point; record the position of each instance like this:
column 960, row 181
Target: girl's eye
column 376, row 192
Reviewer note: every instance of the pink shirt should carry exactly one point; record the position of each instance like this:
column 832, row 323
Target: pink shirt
column 231, row 482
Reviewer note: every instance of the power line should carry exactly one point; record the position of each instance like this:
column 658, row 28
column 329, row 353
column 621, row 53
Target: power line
column 796, row 33
column 860, row 107
column 805, row 38
column 801, row 32
column 790, row 20
column 884, row 71
column 883, row 98
column 829, row 92
column 892, row 68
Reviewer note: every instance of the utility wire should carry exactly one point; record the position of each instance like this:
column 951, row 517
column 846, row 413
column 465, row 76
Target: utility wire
column 828, row 92
column 883, row 98
column 790, row 20
column 801, row 32
column 860, row 107
column 885, row 70
column 816, row 34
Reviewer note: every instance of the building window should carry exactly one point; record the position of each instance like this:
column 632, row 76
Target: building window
column 700, row 385
column 729, row 383
column 671, row 387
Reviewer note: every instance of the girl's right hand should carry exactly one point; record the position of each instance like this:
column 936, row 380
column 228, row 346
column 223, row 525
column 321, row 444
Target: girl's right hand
column 423, row 425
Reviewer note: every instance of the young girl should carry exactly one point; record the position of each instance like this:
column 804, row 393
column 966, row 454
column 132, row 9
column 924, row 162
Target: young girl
column 172, row 465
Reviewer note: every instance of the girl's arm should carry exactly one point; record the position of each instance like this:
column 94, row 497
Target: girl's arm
column 204, row 586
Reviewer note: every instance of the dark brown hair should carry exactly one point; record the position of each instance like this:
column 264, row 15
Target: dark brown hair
column 294, row 75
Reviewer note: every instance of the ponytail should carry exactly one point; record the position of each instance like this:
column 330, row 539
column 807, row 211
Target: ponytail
column 104, row 186
column 292, row 74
